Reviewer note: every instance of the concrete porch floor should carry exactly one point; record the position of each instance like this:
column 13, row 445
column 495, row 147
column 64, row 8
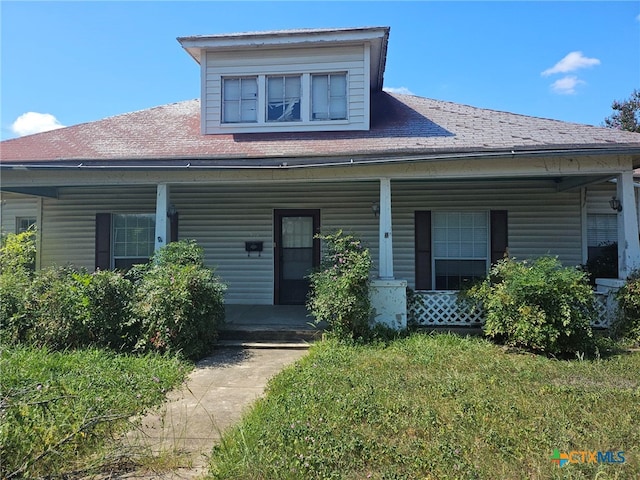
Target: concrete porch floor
column 268, row 323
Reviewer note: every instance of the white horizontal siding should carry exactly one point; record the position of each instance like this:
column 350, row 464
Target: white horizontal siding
column 541, row 221
column 598, row 197
column 68, row 224
column 14, row 206
column 222, row 217
column 289, row 56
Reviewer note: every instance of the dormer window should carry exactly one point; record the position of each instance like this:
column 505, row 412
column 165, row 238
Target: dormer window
column 306, row 80
column 283, row 98
column 329, row 96
column 240, row 100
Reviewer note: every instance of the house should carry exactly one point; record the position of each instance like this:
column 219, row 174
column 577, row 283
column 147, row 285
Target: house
column 294, row 134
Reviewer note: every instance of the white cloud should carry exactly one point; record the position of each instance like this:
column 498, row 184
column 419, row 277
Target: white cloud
column 638, row 17
column 566, row 85
column 573, row 61
column 401, row 90
column 34, row 122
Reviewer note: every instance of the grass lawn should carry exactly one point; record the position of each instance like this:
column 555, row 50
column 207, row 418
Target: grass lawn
column 59, row 411
column 437, row 407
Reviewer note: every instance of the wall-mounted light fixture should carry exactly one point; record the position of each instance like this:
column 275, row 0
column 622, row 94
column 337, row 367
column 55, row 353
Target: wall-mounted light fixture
column 171, row 211
column 375, row 208
column 615, row 204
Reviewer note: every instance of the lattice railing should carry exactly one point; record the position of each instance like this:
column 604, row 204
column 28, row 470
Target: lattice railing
column 606, row 308
column 442, row 308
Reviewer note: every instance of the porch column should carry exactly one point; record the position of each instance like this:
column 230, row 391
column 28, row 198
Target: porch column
column 385, row 263
column 388, row 295
column 628, row 242
column 162, row 221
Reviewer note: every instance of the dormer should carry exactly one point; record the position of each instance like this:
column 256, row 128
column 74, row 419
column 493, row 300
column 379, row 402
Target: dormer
column 289, row 80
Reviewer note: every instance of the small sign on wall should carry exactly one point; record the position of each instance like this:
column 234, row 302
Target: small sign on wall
column 253, row 247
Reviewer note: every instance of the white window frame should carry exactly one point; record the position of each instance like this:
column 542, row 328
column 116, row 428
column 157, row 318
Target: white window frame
column 262, row 99
column 129, row 255
column 329, row 118
column 223, row 103
column 435, row 258
column 20, row 228
column 283, row 100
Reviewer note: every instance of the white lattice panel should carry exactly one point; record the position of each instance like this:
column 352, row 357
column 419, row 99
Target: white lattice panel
column 605, row 308
column 442, row 308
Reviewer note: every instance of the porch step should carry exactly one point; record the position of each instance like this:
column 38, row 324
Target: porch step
column 267, row 334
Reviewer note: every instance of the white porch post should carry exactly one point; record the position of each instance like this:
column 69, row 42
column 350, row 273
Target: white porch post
column 628, row 243
column 162, row 222
column 388, row 295
column 385, row 263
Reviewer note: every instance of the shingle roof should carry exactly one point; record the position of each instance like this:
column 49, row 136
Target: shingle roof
column 401, row 125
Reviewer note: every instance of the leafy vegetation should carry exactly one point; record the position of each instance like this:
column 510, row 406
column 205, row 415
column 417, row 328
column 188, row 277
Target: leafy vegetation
column 436, row 407
column 628, row 324
column 626, row 114
column 538, row 305
column 61, row 410
column 340, row 288
column 174, row 304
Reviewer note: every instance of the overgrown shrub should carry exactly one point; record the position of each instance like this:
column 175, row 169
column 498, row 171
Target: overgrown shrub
column 339, row 293
column 110, row 322
column 18, row 251
column 628, row 297
column 179, row 308
column 17, row 259
column 56, row 311
column 538, row 305
column 173, row 304
column 185, row 252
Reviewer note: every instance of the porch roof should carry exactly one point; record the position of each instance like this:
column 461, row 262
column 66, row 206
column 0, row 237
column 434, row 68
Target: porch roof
column 401, row 126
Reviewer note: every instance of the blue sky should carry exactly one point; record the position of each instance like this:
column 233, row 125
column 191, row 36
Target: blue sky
column 75, row 62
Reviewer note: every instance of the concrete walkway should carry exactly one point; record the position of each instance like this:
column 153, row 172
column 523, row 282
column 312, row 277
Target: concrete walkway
column 214, row 397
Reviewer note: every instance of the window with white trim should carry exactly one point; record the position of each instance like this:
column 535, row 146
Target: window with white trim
column 132, row 239
column 240, row 99
column 460, row 248
column 24, row 223
column 329, row 96
column 283, row 98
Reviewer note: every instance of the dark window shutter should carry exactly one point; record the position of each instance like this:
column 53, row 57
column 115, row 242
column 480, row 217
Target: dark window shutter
column 103, row 241
column 173, row 221
column 423, row 250
column 499, row 234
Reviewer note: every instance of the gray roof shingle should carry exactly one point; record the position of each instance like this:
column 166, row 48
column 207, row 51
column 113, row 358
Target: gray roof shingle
column 400, row 125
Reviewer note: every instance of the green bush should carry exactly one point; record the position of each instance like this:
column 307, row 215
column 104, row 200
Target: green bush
column 179, row 308
column 628, row 324
column 18, row 251
column 185, row 252
column 17, row 260
column 13, row 289
column 110, row 321
column 57, row 307
column 174, row 304
column 339, row 293
column 539, row 305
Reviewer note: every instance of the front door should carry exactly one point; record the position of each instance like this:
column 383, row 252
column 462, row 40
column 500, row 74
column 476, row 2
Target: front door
column 296, row 254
